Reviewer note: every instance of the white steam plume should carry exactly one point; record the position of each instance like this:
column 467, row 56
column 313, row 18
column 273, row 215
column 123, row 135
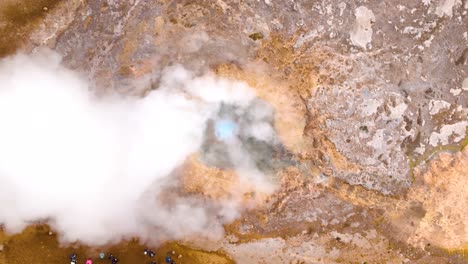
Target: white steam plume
column 92, row 167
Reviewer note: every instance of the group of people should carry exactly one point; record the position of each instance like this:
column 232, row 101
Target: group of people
column 115, row 260
column 152, row 254
column 112, row 258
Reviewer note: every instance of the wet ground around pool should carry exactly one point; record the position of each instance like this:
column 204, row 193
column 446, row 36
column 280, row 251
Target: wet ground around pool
column 38, row 245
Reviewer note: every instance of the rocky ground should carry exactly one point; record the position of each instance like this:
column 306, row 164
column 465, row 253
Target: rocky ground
column 370, row 100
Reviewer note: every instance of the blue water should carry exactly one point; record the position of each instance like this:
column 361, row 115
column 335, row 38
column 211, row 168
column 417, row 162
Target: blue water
column 225, row 129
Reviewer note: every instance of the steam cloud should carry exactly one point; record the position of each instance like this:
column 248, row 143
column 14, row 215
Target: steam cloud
column 91, row 167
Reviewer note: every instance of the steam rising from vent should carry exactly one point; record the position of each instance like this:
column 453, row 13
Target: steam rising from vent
column 93, row 167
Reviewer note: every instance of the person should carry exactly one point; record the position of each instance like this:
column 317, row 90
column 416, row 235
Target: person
column 89, row 261
column 149, row 253
column 113, row 259
column 168, row 259
column 73, row 258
